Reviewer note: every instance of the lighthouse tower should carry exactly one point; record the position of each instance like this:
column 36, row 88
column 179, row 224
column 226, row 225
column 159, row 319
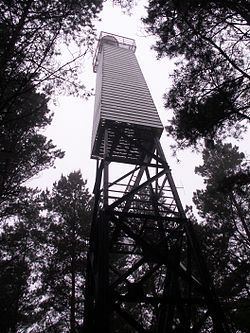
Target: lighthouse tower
column 123, row 103
column 145, row 271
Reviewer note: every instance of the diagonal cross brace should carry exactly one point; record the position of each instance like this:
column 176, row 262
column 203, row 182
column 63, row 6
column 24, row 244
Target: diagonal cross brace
column 135, row 190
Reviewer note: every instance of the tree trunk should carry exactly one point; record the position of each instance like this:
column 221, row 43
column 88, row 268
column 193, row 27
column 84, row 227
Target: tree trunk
column 73, row 290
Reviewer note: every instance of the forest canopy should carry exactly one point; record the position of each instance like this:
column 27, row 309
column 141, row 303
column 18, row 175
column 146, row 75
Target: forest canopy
column 210, row 92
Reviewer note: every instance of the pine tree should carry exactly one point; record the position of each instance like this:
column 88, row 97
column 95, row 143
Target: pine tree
column 20, row 250
column 32, row 35
column 67, row 208
column 210, row 92
column 24, row 151
column 224, row 234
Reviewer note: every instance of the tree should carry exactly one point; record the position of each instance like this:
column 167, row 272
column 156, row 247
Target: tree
column 31, row 36
column 224, row 206
column 24, row 152
column 227, row 177
column 13, row 282
column 20, row 250
column 68, row 208
column 43, row 257
column 210, row 92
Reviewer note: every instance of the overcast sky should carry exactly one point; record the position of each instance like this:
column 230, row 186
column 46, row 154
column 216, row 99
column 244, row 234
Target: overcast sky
column 72, row 124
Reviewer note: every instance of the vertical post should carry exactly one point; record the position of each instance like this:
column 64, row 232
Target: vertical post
column 105, row 171
column 90, row 290
column 170, row 180
column 101, row 323
column 218, row 317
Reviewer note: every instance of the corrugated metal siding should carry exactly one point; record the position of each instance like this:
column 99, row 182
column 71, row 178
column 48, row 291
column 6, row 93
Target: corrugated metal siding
column 97, row 107
column 125, row 96
column 122, row 97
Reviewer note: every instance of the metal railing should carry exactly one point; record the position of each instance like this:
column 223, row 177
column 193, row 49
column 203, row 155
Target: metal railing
column 124, row 42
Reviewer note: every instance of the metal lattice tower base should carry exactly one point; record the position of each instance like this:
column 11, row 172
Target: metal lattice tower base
column 145, row 269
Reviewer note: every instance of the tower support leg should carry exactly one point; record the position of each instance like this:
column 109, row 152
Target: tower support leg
column 146, row 272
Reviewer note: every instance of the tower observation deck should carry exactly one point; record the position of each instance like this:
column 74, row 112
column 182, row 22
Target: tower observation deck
column 145, row 270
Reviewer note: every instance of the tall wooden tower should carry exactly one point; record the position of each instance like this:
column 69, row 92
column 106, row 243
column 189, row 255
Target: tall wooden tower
column 145, row 270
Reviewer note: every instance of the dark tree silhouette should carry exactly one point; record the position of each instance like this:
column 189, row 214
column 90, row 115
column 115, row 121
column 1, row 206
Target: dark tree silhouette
column 20, row 250
column 68, row 210
column 43, row 259
column 210, row 92
column 224, row 233
column 24, row 152
column 32, row 33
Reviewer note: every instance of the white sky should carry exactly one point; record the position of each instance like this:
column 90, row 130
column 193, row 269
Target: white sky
column 72, row 125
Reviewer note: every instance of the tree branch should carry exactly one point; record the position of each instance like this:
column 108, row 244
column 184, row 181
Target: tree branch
column 218, row 48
